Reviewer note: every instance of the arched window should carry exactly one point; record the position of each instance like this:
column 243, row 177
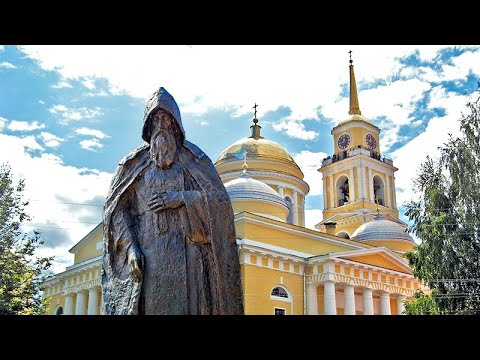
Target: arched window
column 280, row 292
column 289, row 202
column 59, row 311
column 343, row 234
column 378, row 190
column 343, row 190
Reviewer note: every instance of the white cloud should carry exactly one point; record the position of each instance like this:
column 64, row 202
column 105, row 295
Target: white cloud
column 304, row 78
column 417, row 123
column 89, row 84
column 66, row 114
column 29, row 142
column 16, row 125
column 50, row 140
column 312, row 218
column 41, row 102
column 409, row 157
column 3, row 121
column 309, row 162
column 2, row 47
column 48, row 181
column 295, row 129
column 91, row 132
column 61, row 85
column 313, row 69
column 7, row 65
column 90, row 144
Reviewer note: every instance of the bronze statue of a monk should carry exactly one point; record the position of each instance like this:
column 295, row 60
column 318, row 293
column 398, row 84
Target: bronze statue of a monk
column 169, row 236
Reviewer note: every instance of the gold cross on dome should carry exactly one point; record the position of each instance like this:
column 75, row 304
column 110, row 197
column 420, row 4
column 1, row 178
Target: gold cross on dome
column 255, row 107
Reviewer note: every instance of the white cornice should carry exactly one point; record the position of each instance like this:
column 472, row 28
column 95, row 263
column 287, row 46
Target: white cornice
column 383, row 251
column 287, row 229
column 358, row 161
column 302, row 187
column 276, row 251
column 253, row 160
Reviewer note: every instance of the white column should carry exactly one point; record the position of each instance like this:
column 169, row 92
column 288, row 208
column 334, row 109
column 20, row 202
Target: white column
column 361, row 195
column 329, row 301
column 364, row 183
column 349, row 300
column 394, row 193
column 370, row 182
column 302, row 207
column 295, row 207
column 312, row 299
column 400, row 304
column 280, row 191
column 389, row 204
column 80, row 303
column 69, row 306
column 324, row 180
column 385, row 304
column 367, row 302
column 332, row 203
column 351, row 184
column 92, row 301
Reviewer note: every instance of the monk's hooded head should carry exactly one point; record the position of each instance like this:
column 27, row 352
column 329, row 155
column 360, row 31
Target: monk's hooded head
column 162, row 128
column 164, row 139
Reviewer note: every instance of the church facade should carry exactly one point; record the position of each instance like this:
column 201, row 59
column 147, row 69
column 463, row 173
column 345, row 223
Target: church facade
column 351, row 264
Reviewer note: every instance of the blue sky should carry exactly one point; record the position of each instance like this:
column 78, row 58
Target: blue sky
column 68, row 114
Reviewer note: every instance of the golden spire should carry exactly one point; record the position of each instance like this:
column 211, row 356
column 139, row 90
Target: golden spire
column 354, row 106
column 255, row 128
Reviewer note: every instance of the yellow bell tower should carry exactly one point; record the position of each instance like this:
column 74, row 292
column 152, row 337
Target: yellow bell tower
column 356, row 177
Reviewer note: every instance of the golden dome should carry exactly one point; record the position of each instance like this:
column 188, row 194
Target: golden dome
column 356, row 117
column 255, row 148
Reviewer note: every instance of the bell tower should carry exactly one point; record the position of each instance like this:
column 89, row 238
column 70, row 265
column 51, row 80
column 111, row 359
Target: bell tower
column 356, row 176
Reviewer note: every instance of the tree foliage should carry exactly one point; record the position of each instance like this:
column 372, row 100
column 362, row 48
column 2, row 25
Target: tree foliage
column 447, row 219
column 21, row 271
column 422, row 305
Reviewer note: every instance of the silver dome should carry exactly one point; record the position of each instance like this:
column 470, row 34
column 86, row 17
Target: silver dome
column 380, row 229
column 246, row 187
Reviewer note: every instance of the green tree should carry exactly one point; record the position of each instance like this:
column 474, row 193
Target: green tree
column 447, row 219
column 21, row 271
column 422, row 305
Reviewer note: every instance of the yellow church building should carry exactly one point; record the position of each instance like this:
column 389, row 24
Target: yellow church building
column 351, row 265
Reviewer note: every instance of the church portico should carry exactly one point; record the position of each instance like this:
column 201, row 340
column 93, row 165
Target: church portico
column 347, row 287
column 79, row 287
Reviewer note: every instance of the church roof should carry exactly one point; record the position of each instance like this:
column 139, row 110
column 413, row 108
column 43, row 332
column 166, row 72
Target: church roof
column 380, row 229
column 256, row 148
column 246, row 187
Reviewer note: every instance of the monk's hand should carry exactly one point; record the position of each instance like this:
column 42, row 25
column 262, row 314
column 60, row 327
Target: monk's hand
column 135, row 262
column 166, row 200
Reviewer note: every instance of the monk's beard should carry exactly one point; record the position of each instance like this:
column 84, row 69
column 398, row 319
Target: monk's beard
column 163, row 148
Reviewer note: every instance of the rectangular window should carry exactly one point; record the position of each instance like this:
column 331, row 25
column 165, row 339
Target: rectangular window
column 279, row 311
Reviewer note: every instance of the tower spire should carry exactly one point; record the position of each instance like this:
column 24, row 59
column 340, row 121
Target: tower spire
column 354, row 106
column 255, row 127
